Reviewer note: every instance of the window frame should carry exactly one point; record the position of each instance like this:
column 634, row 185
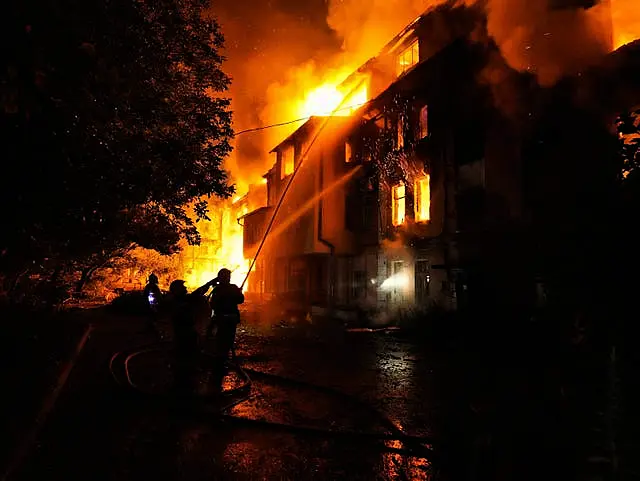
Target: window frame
column 418, row 193
column 400, row 127
column 408, row 58
column 423, row 122
column 348, row 152
column 285, row 154
column 398, row 204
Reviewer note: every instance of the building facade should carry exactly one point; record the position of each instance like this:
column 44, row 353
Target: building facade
column 427, row 195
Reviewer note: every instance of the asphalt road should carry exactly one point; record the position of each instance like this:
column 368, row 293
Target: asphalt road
column 96, row 431
column 491, row 416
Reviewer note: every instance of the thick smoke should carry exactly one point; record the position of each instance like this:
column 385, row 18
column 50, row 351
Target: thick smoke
column 365, row 26
column 279, row 50
column 546, row 37
column 547, row 40
column 626, row 21
column 264, row 41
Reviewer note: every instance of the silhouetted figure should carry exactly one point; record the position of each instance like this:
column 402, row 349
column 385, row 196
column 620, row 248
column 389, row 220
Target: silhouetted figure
column 224, row 302
column 152, row 296
column 184, row 309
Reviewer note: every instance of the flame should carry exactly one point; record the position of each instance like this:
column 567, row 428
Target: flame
column 312, row 90
column 328, row 99
column 221, row 245
column 625, row 15
column 398, row 204
column 423, row 199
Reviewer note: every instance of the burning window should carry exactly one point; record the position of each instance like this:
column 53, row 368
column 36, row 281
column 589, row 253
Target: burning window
column 408, row 58
column 400, row 140
column 348, row 154
column 424, row 122
column 422, row 204
column 286, row 162
column 398, row 204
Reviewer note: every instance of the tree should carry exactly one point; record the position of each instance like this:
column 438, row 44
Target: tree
column 112, row 121
column 628, row 126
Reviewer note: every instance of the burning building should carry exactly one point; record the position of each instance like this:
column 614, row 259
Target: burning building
column 418, row 185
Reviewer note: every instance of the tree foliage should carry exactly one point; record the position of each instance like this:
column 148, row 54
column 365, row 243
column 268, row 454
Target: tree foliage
column 628, row 126
column 112, row 120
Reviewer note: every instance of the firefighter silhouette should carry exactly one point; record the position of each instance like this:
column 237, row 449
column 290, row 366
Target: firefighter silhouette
column 224, row 302
column 184, row 307
column 152, row 296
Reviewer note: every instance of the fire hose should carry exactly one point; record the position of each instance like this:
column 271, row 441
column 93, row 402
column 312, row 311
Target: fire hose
column 415, row 446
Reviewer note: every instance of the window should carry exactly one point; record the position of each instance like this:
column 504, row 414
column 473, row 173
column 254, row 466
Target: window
column 272, row 194
column 359, row 285
column 348, row 154
column 398, row 204
column 408, row 58
column 471, row 175
column 286, row 162
column 400, row 281
column 400, row 139
column 422, row 280
column 424, row 122
column 422, row 194
column 297, row 277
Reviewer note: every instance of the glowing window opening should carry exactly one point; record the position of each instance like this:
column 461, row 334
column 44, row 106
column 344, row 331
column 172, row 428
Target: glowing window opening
column 400, row 139
column 286, row 162
column 348, row 154
column 408, row 57
column 398, row 204
column 422, row 204
column 424, row 122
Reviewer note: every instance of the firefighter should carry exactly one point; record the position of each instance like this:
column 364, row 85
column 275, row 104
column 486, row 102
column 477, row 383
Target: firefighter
column 224, row 302
column 184, row 309
column 152, row 295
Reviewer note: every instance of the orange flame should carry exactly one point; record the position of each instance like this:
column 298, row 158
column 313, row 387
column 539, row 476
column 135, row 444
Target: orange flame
column 328, row 99
column 625, row 15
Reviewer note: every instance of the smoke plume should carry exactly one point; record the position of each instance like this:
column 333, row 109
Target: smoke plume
column 280, row 50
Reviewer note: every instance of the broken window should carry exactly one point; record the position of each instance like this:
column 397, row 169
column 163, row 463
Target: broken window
column 422, row 195
column 408, row 58
column 398, row 204
column 286, row 162
column 424, row 122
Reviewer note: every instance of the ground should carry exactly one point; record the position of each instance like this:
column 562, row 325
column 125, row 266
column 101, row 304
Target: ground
column 339, row 382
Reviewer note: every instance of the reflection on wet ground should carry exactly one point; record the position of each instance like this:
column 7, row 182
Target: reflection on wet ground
column 344, row 384
column 322, row 413
column 340, row 392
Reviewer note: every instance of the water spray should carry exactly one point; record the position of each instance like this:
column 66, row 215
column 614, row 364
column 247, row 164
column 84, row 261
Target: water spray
column 293, row 176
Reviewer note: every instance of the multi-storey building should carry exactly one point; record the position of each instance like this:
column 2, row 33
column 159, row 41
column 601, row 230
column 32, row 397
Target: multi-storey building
column 429, row 193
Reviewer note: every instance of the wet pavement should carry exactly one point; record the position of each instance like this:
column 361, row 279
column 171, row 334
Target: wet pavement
column 324, row 404
column 323, row 420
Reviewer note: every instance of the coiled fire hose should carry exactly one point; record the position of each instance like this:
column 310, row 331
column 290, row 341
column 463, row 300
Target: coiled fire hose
column 415, row 446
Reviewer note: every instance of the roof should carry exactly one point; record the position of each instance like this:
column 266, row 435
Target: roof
column 311, row 124
column 312, row 121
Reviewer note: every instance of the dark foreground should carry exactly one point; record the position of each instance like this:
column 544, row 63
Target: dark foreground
column 488, row 418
